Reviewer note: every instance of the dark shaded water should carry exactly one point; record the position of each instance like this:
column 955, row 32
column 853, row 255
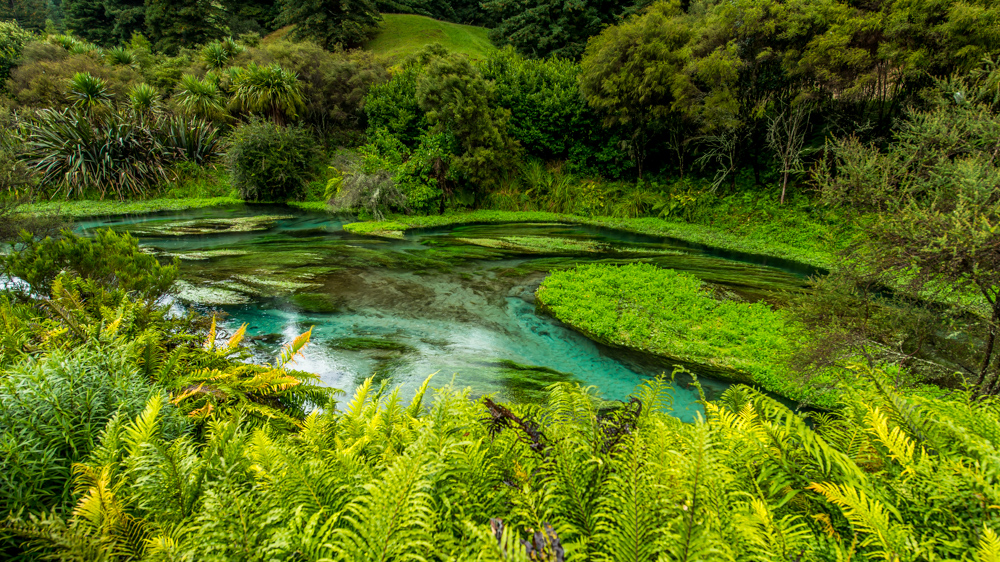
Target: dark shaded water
column 455, row 301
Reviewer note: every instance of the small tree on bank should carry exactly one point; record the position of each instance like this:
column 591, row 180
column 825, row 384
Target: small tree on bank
column 937, row 195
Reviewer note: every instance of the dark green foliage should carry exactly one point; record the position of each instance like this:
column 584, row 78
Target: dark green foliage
column 331, row 22
column 458, row 11
column 90, row 19
column 27, row 14
column 553, row 27
column 458, row 101
column 549, row 115
column 251, row 16
column 183, row 23
column 268, row 162
column 393, row 106
column 936, row 191
column 333, row 85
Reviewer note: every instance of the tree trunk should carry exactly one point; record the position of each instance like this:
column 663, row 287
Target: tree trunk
column 784, row 185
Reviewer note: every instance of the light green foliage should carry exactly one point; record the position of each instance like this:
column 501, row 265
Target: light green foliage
column 110, row 261
column 217, row 54
column 401, row 35
column 268, row 162
column 672, row 314
column 121, row 56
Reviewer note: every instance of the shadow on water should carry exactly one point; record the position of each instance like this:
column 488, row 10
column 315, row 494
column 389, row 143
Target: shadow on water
column 456, row 301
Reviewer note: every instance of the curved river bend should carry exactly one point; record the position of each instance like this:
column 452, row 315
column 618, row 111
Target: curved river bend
column 457, row 301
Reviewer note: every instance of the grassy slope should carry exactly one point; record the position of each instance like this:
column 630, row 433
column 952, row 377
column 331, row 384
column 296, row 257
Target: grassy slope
column 403, row 34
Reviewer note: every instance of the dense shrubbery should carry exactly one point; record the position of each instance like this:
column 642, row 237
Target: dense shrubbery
column 268, row 162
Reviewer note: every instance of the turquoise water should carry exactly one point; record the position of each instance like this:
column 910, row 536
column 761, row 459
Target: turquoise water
column 454, row 301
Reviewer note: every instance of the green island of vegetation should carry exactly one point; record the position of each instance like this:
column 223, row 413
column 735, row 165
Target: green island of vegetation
column 675, row 316
column 796, row 202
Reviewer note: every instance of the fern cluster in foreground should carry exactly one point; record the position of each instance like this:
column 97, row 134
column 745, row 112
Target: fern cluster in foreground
column 464, row 479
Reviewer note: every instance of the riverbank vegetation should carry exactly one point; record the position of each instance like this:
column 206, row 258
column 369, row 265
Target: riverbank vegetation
column 858, row 139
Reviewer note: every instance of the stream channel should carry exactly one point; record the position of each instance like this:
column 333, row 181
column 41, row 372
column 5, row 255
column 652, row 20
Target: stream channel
column 458, row 300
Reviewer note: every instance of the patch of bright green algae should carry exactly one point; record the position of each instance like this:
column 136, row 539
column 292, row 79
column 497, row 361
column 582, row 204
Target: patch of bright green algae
column 674, row 316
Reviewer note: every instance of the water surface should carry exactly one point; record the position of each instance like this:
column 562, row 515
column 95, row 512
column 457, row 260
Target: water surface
column 455, row 301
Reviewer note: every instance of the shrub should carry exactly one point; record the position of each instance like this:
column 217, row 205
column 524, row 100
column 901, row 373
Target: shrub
column 52, row 413
column 269, row 90
column 269, row 162
column 201, row 98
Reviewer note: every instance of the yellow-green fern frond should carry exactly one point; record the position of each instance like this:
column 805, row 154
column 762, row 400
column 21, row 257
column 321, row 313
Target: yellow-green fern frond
column 869, row 517
column 988, row 549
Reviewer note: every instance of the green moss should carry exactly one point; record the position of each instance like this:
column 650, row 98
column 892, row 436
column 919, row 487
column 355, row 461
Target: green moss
column 314, row 303
column 204, row 226
column 527, row 383
column 361, row 343
column 672, row 315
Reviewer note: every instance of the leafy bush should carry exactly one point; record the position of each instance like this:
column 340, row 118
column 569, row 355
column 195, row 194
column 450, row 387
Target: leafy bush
column 393, row 106
column 268, row 162
column 44, row 83
column 112, row 261
column 268, row 90
column 201, row 98
column 53, row 411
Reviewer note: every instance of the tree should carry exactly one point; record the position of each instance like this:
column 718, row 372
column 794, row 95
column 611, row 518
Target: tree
column 270, row 90
column 183, row 23
column 544, row 28
column 331, row 22
column 937, row 195
column 786, row 133
column 628, row 69
column 458, row 101
column 29, row 14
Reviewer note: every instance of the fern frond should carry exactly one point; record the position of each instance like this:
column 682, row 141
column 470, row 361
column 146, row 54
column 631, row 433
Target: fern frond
column 870, row 517
column 988, row 549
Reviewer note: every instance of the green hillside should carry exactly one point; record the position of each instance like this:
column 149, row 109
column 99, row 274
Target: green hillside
column 403, row 34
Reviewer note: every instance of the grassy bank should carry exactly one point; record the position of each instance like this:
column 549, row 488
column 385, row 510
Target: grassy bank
column 81, row 209
column 762, row 238
column 674, row 316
